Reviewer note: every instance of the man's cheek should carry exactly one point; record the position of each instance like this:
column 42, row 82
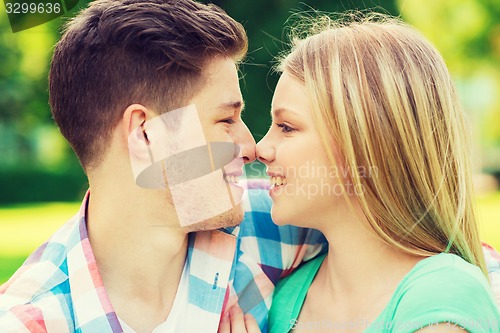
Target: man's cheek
column 171, row 152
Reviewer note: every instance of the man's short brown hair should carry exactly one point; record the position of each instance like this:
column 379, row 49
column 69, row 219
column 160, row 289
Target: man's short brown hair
column 119, row 52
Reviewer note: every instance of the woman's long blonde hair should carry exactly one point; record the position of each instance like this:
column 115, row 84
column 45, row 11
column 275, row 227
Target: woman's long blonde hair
column 382, row 94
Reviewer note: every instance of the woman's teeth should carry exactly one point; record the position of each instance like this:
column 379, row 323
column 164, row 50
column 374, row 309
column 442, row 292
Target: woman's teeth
column 232, row 179
column 278, row 181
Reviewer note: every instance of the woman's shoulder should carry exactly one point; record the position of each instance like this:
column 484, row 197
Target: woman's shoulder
column 445, row 276
column 446, row 265
column 445, row 288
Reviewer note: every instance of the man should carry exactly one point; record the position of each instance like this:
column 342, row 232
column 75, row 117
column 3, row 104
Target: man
column 128, row 80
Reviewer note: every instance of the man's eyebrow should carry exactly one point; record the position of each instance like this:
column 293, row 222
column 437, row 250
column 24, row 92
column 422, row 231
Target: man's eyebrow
column 236, row 105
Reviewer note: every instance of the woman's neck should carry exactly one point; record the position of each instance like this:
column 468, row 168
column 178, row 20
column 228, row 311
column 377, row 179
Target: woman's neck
column 361, row 272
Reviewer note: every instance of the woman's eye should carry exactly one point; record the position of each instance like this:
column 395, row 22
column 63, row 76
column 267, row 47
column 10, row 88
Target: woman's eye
column 228, row 121
column 285, row 128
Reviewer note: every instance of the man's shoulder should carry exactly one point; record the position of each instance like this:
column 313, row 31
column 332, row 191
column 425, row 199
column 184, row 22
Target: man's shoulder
column 55, row 249
column 36, row 299
column 40, row 285
column 45, row 314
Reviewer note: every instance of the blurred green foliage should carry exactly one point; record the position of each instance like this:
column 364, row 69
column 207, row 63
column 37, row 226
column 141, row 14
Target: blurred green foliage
column 467, row 34
column 36, row 222
column 36, row 164
column 265, row 21
column 35, row 185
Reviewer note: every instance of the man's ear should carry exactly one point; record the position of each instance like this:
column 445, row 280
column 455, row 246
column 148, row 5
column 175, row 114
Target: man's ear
column 134, row 116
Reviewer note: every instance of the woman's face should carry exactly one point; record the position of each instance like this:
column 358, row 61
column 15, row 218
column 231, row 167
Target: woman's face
column 303, row 185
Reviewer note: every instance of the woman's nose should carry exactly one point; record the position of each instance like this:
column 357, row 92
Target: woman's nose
column 265, row 150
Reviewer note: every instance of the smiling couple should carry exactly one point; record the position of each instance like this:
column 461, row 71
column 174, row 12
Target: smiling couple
column 147, row 94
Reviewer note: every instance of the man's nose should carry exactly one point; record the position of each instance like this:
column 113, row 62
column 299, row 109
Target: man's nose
column 246, row 142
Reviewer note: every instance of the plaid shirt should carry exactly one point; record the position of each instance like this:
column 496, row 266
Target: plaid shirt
column 492, row 259
column 58, row 289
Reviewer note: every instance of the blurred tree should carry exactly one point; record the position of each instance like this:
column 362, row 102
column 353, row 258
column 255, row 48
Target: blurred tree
column 27, row 133
column 23, row 72
column 468, row 37
column 264, row 21
column 26, row 126
column 23, row 87
column 31, row 149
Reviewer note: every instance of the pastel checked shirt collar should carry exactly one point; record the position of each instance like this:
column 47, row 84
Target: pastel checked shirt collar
column 72, row 294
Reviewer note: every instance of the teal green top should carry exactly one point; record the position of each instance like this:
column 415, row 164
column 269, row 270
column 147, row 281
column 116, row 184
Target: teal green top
column 441, row 288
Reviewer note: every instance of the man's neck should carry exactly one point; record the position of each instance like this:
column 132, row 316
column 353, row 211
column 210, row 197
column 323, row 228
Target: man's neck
column 140, row 253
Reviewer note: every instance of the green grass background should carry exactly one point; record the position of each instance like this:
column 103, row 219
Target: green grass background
column 23, row 227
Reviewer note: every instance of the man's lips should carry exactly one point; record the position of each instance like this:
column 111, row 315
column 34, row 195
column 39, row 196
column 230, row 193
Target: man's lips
column 232, row 179
column 232, row 175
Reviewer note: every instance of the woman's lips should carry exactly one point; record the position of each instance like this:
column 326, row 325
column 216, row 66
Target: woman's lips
column 278, row 181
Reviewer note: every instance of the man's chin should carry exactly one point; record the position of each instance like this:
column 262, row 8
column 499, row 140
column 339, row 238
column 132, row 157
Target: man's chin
column 230, row 218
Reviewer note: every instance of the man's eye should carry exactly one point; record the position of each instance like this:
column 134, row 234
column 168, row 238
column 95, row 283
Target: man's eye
column 285, row 128
column 228, row 121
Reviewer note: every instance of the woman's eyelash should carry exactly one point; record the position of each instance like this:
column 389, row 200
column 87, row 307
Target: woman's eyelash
column 285, row 128
column 228, row 121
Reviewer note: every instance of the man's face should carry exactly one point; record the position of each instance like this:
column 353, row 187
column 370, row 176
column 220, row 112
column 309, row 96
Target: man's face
column 197, row 152
column 219, row 104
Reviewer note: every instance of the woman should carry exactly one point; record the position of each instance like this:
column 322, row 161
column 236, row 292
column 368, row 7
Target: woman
column 369, row 145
